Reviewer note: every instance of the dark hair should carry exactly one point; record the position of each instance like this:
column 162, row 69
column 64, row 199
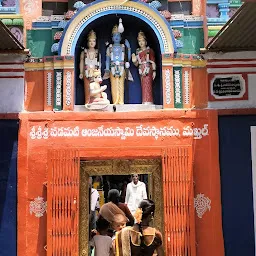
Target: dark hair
column 102, row 224
column 148, row 208
column 113, row 196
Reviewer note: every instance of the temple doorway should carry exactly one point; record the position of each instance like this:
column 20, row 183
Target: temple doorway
column 116, row 174
column 69, row 172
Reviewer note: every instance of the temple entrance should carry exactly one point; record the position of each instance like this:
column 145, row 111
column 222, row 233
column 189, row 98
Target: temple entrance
column 167, row 169
column 115, row 174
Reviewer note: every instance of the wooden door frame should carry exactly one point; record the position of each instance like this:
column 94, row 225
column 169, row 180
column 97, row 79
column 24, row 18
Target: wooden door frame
column 158, row 161
column 117, row 167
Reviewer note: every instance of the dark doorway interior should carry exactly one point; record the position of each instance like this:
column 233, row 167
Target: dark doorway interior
column 119, row 182
column 236, row 184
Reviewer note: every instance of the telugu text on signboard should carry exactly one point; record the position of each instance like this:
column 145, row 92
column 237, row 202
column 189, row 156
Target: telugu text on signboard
column 229, row 86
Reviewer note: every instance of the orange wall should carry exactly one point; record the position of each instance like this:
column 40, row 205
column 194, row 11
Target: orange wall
column 30, row 10
column 32, row 163
column 200, row 88
column 34, row 90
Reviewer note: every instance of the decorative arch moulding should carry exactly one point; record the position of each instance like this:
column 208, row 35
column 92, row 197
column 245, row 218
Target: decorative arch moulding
column 45, row 63
column 101, row 8
column 193, row 60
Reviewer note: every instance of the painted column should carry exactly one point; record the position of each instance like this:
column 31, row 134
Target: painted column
column 167, row 75
column 198, row 7
column 58, row 83
column 199, row 83
column 186, row 81
column 48, row 83
column 34, row 85
column 68, row 83
column 177, row 81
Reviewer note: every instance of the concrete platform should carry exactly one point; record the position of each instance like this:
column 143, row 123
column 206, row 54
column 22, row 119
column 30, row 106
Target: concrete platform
column 120, row 108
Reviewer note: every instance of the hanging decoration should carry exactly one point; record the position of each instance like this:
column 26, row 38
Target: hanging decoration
column 202, row 205
column 38, row 206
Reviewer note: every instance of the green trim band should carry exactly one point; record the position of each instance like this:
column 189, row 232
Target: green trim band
column 235, row 5
column 212, row 33
column 7, row 22
column 18, row 22
column 13, row 22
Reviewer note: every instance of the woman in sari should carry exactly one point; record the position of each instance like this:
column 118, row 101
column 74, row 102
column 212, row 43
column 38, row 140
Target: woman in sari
column 114, row 197
column 114, row 215
column 141, row 239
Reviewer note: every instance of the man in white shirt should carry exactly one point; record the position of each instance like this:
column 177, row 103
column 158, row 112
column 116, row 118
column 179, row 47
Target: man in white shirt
column 94, row 206
column 135, row 193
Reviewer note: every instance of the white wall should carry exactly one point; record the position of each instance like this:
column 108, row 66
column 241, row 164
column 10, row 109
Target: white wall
column 233, row 63
column 11, row 95
column 11, row 83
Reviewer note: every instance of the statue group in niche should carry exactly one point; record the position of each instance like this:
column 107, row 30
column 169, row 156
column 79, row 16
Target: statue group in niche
column 118, row 57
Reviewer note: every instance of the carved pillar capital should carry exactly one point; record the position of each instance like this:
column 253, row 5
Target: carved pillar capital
column 224, row 10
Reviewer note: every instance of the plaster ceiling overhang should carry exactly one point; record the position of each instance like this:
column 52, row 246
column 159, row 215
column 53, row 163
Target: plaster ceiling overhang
column 8, row 41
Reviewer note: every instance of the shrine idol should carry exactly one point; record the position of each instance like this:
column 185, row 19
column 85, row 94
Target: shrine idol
column 98, row 98
column 117, row 66
column 144, row 59
column 89, row 61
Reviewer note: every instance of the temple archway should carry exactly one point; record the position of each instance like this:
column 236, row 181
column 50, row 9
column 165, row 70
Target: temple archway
column 132, row 89
column 101, row 8
column 101, row 16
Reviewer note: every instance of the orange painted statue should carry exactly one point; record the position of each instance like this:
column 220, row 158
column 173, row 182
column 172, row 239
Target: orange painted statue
column 89, row 61
column 97, row 94
column 144, row 59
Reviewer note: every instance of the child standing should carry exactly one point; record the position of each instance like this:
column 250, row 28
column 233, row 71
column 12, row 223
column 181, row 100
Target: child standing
column 101, row 242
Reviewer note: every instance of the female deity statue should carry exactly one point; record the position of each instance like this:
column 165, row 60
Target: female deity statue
column 89, row 61
column 145, row 61
column 116, row 64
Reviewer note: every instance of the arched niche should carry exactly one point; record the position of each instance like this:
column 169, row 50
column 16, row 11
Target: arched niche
column 99, row 9
column 132, row 89
column 101, row 16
